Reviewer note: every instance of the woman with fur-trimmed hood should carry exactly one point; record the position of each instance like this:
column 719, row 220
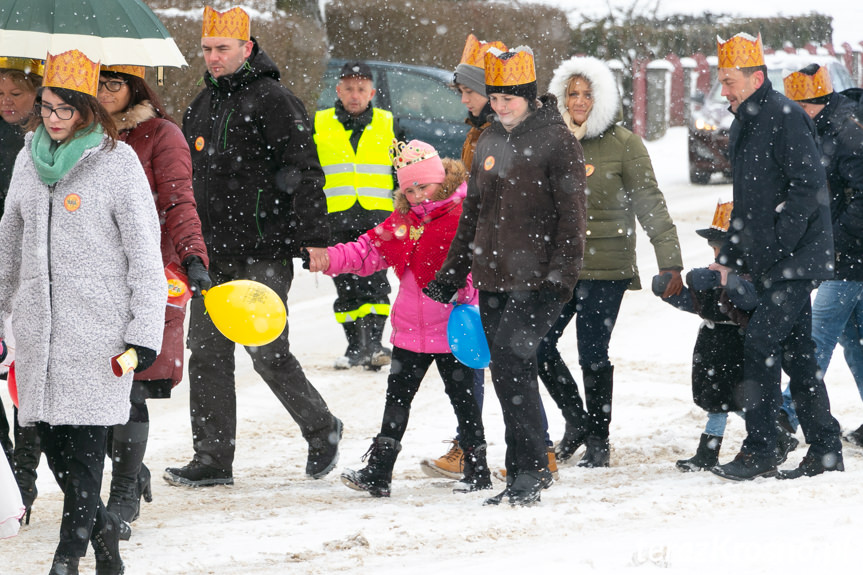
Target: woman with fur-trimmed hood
column 621, row 187
column 162, row 150
column 414, row 241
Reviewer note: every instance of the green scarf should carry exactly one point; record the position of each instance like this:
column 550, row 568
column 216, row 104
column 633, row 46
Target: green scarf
column 54, row 160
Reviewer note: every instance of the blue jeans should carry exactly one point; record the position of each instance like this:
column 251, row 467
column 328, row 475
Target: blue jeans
column 716, row 423
column 837, row 317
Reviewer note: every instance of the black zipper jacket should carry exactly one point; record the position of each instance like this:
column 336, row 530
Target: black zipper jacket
column 258, row 183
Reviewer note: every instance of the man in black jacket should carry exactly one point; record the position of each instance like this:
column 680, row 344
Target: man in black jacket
column 838, row 307
column 258, row 186
column 780, row 234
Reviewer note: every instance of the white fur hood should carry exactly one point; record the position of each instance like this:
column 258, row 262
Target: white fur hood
column 606, row 99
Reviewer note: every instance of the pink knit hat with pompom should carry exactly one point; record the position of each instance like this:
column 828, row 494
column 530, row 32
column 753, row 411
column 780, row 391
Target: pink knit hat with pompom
column 416, row 163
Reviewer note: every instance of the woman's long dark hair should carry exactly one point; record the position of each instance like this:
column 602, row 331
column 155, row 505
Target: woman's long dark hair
column 140, row 92
column 88, row 107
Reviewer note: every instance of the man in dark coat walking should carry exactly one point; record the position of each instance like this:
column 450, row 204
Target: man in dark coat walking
column 780, row 234
column 258, row 186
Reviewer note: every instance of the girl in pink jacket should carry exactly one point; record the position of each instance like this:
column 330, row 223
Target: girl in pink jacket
column 414, row 241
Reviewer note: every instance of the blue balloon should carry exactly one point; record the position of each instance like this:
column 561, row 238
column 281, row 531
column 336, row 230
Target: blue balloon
column 467, row 338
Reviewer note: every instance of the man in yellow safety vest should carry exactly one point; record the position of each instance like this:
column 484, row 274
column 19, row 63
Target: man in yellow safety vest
column 353, row 140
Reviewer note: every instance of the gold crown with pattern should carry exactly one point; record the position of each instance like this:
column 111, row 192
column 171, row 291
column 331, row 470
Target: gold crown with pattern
column 722, row 216
column 72, row 70
column 513, row 68
column 403, row 154
column 233, row 23
column 800, row 86
column 474, row 51
column 138, row 71
column 741, row 51
column 26, row 65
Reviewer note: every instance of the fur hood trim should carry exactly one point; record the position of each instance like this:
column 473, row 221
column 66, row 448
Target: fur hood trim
column 131, row 118
column 455, row 175
column 606, row 99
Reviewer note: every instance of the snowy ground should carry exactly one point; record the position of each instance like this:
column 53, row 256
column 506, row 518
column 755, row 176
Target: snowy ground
column 639, row 513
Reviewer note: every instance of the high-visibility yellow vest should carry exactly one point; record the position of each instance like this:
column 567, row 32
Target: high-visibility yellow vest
column 366, row 175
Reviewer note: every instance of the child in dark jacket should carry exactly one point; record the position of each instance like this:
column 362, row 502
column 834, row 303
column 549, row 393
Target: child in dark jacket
column 717, row 360
column 414, row 241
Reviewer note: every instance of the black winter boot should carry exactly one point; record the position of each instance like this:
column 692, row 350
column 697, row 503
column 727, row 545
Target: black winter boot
column 597, row 453
column 476, row 472
column 528, row 485
column 706, row 456
column 497, row 499
column 573, row 438
column 785, row 444
column 127, row 454
column 64, row 565
column 377, row 475
column 372, row 333
column 351, row 358
column 106, row 547
column 26, row 456
column 324, row 451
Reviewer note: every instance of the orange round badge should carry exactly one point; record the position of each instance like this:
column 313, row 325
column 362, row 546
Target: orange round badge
column 72, row 202
column 489, row 163
column 199, row 143
column 588, row 170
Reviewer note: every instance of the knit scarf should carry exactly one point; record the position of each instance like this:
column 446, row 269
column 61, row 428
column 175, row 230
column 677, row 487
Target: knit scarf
column 54, row 161
column 418, row 242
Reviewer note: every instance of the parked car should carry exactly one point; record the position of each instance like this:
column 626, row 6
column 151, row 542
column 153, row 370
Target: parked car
column 420, row 98
column 711, row 120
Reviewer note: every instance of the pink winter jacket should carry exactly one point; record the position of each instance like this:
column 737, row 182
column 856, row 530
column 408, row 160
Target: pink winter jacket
column 419, row 323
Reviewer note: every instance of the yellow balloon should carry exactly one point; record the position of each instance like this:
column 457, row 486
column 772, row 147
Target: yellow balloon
column 246, row 312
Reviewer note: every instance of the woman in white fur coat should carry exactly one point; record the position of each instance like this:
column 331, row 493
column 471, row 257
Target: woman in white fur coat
column 81, row 272
column 621, row 187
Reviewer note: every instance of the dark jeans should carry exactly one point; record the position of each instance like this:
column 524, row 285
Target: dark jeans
column 779, row 337
column 212, row 391
column 595, row 305
column 407, row 372
column 514, row 324
column 76, row 456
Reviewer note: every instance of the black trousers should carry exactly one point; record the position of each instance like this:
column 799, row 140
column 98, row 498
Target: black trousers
column 514, row 324
column 407, row 372
column 212, row 390
column 76, row 456
column 779, row 337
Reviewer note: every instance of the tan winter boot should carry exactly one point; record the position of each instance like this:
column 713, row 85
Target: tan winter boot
column 449, row 465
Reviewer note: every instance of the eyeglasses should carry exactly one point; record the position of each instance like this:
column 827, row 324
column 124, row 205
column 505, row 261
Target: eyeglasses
column 112, row 85
column 62, row 113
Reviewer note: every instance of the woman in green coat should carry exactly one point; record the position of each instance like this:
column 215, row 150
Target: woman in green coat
column 621, row 187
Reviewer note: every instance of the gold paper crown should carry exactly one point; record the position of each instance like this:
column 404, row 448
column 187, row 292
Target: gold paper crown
column 514, row 68
column 233, row 23
column 800, row 86
column 402, row 154
column 741, row 51
column 26, row 65
column 474, row 51
column 722, row 216
column 72, row 70
column 138, row 71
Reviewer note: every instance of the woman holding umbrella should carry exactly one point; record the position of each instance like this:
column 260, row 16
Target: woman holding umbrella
column 142, row 123
column 82, row 275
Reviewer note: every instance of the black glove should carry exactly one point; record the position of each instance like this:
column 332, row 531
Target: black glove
column 307, row 260
column 660, row 283
column 703, row 279
column 440, row 291
column 199, row 278
column 552, row 291
column 146, row 357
